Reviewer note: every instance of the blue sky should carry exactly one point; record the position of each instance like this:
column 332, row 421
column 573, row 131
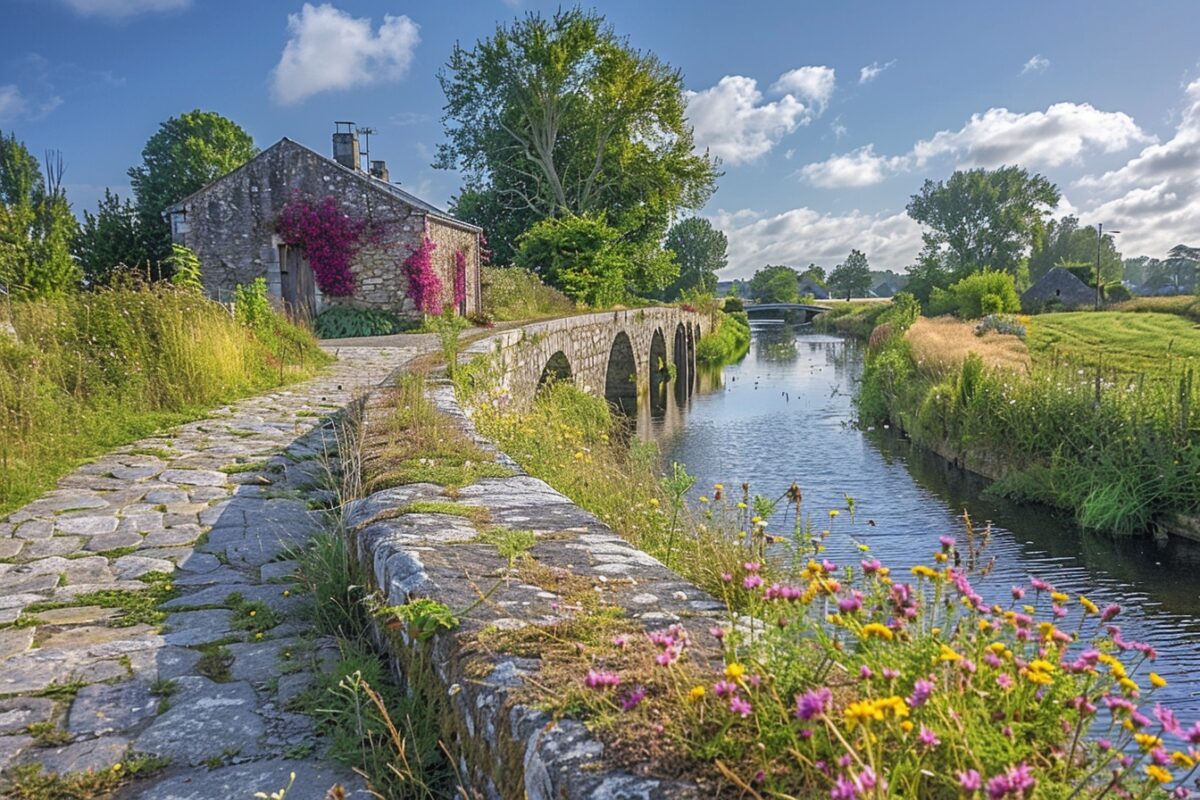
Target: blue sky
column 827, row 115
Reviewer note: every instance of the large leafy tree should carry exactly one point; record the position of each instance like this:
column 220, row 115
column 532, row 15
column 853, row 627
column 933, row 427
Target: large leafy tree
column 852, row 277
column 110, row 238
column 583, row 256
column 559, row 116
column 775, row 284
column 982, row 218
column 186, row 153
column 1068, row 245
column 1181, row 265
column 36, row 224
column 700, row 251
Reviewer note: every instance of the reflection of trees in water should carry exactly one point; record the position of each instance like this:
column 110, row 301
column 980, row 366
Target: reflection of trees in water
column 775, row 344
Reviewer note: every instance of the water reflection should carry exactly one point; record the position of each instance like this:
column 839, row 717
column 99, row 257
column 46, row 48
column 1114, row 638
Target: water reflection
column 784, row 414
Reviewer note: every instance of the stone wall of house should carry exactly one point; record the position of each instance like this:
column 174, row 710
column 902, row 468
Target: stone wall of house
column 450, row 239
column 231, row 226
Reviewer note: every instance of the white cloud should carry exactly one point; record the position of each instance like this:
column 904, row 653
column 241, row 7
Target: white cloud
column 1059, row 135
column 839, row 130
column 1154, row 198
column 17, row 105
column 814, row 84
column 330, row 50
column 1036, row 63
column 734, row 123
column 801, row 236
column 857, row 168
column 872, row 70
column 120, row 9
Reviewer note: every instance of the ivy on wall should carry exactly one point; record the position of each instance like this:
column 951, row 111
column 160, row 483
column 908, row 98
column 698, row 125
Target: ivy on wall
column 330, row 239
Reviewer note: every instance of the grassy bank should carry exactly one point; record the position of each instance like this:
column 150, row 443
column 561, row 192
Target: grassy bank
column 853, row 319
column 92, row 371
column 1100, row 418
column 728, row 342
column 512, row 293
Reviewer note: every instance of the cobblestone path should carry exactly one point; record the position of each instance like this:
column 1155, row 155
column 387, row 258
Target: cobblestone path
column 218, row 505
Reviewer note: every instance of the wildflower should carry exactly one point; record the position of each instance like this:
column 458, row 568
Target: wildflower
column 813, row 703
column 1018, row 593
column 734, row 671
column 703, row 499
column 833, row 512
column 1157, row 681
column 717, row 632
column 921, row 691
column 1166, row 717
column 1110, row 612
column 620, row 641
column 864, row 673
column 722, row 688
column 891, row 674
column 1040, row 585
column 1088, row 606
column 697, row 693
column 1017, row 782
column 633, row 698
column 969, row 781
column 752, row 581
column 928, row 738
column 739, row 706
column 1183, row 760
column 865, row 782
column 1059, row 597
column 287, row 593
column 1004, row 681
column 654, row 502
column 258, row 636
column 947, row 654
column 1146, row 741
column 876, row 629
column 843, row 789
column 726, row 577
column 1158, row 773
column 741, row 505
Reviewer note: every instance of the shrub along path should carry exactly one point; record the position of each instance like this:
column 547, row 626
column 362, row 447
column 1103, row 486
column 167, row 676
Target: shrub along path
column 147, row 614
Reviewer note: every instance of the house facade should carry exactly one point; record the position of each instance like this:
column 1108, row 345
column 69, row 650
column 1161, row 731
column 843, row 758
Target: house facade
column 232, row 225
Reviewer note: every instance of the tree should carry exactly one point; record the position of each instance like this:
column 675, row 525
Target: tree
column 1181, row 264
column 775, row 284
column 983, row 218
column 699, row 250
column 852, row 277
column 815, row 274
column 1065, row 243
column 186, row 153
column 558, row 116
column 36, row 224
column 110, row 238
column 582, row 256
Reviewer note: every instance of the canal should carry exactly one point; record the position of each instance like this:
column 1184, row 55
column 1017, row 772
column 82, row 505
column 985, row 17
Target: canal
column 786, row 413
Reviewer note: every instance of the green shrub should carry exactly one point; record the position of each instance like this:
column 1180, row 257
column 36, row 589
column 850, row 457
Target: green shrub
column 345, row 322
column 251, row 306
column 1116, row 292
column 582, row 256
column 185, row 268
column 987, row 292
column 941, row 302
column 728, row 343
column 512, row 293
column 733, row 305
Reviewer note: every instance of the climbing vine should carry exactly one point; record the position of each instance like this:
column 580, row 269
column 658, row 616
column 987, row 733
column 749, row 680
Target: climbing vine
column 330, row 239
column 460, row 278
column 424, row 285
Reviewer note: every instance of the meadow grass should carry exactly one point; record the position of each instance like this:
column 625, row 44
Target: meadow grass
column 512, row 293
column 944, row 343
column 1148, row 342
column 92, row 371
column 854, row 318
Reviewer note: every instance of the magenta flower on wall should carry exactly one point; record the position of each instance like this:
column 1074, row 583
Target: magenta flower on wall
column 330, row 239
column 460, row 278
column 424, row 285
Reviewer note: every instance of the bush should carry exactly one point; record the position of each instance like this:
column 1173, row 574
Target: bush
column 512, row 293
column 346, row 322
column 251, row 306
column 582, row 256
column 95, row 370
column 728, row 343
column 733, row 305
column 941, row 302
column 987, row 292
column 1116, row 292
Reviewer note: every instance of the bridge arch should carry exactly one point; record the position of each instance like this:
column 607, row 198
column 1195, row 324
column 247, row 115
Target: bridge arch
column 682, row 361
column 659, row 373
column 557, row 369
column 693, row 336
column 620, row 376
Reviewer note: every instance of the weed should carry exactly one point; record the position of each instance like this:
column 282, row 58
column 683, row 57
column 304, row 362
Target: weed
column 215, row 661
column 29, row 782
column 235, row 469
column 48, row 734
column 509, row 544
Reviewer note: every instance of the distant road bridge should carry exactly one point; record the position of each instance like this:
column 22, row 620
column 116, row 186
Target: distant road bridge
column 781, row 310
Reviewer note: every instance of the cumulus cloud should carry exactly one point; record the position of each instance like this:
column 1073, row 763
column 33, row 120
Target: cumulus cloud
column 814, row 84
column 872, row 70
column 120, row 9
column 1154, row 198
column 1036, row 63
column 857, row 168
column 1059, row 135
column 734, row 121
column 32, row 95
column 329, row 50
column 802, row 235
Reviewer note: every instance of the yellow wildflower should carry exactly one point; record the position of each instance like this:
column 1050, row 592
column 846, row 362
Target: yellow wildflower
column 1183, row 760
column 654, row 502
column 734, row 671
column 703, row 499
column 861, row 712
column 1128, row 685
column 697, row 693
column 1147, row 741
column 1034, row 676
column 834, row 512
column 1158, row 773
column 948, row 654
column 922, row 571
column 741, row 504
column 940, row 557
column 876, row 629
column 1059, row 597
column 906, row 726
column 1088, row 605
column 1157, row 681
column 1041, row 665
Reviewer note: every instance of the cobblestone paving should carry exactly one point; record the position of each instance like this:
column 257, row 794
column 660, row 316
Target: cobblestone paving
column 219, row 505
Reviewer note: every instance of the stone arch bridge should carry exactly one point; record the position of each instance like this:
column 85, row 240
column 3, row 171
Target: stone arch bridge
column 629, row 357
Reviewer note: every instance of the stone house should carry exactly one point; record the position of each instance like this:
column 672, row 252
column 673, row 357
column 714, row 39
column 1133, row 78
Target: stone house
column 1058, row 288
column 232, row 226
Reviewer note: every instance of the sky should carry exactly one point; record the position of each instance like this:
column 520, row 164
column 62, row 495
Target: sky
column 827, row 116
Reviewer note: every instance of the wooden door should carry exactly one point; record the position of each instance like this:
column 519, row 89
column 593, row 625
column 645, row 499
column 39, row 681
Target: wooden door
column 297, row 283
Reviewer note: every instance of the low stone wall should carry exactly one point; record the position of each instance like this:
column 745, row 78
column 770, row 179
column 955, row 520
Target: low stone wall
column 505, row 746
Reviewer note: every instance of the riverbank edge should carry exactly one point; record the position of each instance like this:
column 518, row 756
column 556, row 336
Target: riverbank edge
column 986, row 462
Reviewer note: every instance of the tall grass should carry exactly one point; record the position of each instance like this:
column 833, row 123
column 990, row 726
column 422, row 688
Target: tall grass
column 92, row 371
column 728, row 343
column 512, row 293
column 944, row 343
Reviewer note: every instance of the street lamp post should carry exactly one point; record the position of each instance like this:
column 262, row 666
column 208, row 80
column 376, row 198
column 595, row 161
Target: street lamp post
column 1099, row 245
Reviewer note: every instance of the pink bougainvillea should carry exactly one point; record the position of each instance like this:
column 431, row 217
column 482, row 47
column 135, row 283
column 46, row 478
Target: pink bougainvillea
column 329, row 237
column 460, row 279
column 424, row 285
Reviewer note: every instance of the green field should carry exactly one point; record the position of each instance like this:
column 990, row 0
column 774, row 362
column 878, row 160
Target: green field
column 1133, row 343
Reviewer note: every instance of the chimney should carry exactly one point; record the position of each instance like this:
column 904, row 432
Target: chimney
column 345, row 145
column 379, row 170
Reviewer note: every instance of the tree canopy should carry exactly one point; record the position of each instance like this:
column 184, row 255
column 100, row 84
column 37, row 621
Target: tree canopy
column 557, row 116
column 852, row 277
column 983, row 218
column 1066, row 244
column 775, row 284
column 186, row 153
column 36, row 224
column 699, row 250
column 109, row 238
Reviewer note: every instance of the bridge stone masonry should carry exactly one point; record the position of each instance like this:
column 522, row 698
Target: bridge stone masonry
column 626, row 356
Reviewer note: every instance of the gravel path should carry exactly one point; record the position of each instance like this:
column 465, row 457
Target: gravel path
column 177, row 504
